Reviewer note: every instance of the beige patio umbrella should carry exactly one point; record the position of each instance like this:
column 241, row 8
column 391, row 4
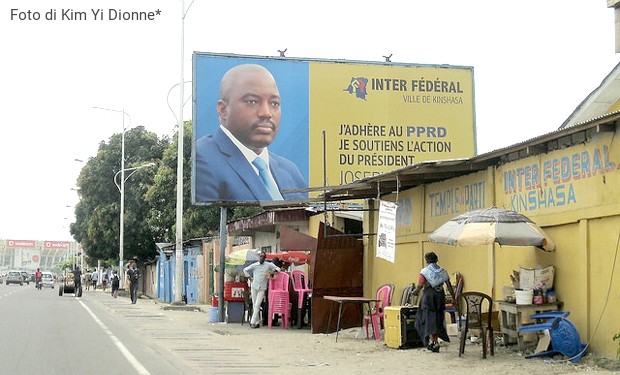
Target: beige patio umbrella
column 492, row 225
column 489, row 225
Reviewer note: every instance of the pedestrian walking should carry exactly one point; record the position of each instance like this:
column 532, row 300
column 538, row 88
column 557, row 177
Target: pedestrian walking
column 104, row 283
column 88, row 279
column 115, row 284
column 95, row 279
column 133, row 274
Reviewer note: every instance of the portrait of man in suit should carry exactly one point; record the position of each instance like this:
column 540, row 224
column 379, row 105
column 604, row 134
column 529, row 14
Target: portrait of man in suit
column 234, row 163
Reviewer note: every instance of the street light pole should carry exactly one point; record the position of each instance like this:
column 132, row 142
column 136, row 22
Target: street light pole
column 178, row 280
column 121, row 229
column 178, row 284
column 122, row 190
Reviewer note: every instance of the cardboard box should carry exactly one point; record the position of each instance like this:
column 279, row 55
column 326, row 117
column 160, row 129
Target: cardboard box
column 534, row 278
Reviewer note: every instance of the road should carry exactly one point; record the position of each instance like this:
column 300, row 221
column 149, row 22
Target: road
column 44, row 333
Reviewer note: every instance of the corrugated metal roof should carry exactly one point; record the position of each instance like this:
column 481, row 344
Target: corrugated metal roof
column 598, row 102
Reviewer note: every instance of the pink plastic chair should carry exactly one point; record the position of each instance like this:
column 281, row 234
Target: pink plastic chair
column 300, row 285
column 279, row 299
column 278, row 282
column 384, row 295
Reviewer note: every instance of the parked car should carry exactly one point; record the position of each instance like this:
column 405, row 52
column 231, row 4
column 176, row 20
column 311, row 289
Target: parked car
column 47, row 280
column 14, row 277
column 25, row 277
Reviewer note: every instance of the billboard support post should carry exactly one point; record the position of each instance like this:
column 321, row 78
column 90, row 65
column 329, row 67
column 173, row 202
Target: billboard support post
column 223, row 237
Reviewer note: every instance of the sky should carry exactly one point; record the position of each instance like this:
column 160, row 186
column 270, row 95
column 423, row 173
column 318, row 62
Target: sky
column 534, row 62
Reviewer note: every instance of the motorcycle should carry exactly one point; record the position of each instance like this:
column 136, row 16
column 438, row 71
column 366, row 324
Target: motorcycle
column 39, row 284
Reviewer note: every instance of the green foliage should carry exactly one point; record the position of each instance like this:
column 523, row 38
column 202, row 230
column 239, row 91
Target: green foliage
column 617, row 338
column 244, row 211
column 98, row 211
column 67, row 263
column 198, row 221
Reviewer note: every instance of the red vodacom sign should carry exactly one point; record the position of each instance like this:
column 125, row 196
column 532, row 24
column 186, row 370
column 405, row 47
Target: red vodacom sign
column 20, row 243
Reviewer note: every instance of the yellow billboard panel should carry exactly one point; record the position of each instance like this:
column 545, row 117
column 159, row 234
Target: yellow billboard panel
column 375, row 118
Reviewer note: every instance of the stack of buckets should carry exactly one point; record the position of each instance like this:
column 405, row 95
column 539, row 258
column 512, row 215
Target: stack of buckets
column 213, row 310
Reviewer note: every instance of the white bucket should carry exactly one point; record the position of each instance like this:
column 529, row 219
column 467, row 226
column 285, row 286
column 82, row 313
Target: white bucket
column 524, row 296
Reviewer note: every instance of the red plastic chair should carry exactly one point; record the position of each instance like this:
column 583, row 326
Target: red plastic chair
column 279, row 299
column 384, row 295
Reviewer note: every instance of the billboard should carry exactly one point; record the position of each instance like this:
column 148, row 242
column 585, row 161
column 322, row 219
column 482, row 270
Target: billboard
column 319, row 122
column 27, row 258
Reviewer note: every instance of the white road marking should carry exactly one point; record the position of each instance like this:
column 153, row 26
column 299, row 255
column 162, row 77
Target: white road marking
column 122, row 348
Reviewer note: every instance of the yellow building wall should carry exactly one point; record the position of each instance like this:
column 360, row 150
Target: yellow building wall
column 401, row 273
column 447, row 199
column 602, row 296
column 443, row 201
column 572, row 193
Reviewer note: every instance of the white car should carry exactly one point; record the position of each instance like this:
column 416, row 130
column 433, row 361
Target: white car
column 47, row 280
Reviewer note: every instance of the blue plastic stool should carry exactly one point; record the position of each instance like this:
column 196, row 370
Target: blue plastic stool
column 564, row 336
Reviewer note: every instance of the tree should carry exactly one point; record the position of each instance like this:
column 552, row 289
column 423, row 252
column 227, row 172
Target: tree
column 98, row 211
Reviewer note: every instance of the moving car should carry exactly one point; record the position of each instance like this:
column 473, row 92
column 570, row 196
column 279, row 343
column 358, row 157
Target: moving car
column 47, row 280
column 14, row 277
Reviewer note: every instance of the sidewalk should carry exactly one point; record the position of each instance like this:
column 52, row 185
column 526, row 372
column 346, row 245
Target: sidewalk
column 221, row 348
column 186, row 334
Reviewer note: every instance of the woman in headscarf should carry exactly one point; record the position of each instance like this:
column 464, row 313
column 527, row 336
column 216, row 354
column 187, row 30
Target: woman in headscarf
column 430, row 319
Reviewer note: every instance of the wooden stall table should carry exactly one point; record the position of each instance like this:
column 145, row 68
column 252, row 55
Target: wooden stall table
column 511, row 318
column 341, row 300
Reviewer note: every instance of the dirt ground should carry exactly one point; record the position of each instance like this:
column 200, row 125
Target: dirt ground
column 300, row 352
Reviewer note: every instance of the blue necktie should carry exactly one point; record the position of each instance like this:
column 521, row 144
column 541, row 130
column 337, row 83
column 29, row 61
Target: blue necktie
column 263, row 173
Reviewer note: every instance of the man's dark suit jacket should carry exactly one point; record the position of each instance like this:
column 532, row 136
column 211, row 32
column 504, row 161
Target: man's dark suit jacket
column 224, row 174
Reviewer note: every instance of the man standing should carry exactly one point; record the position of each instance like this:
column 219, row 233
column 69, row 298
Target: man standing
column 233, row 164
column 258, row 273
column 133, row 274
column 77, row 282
